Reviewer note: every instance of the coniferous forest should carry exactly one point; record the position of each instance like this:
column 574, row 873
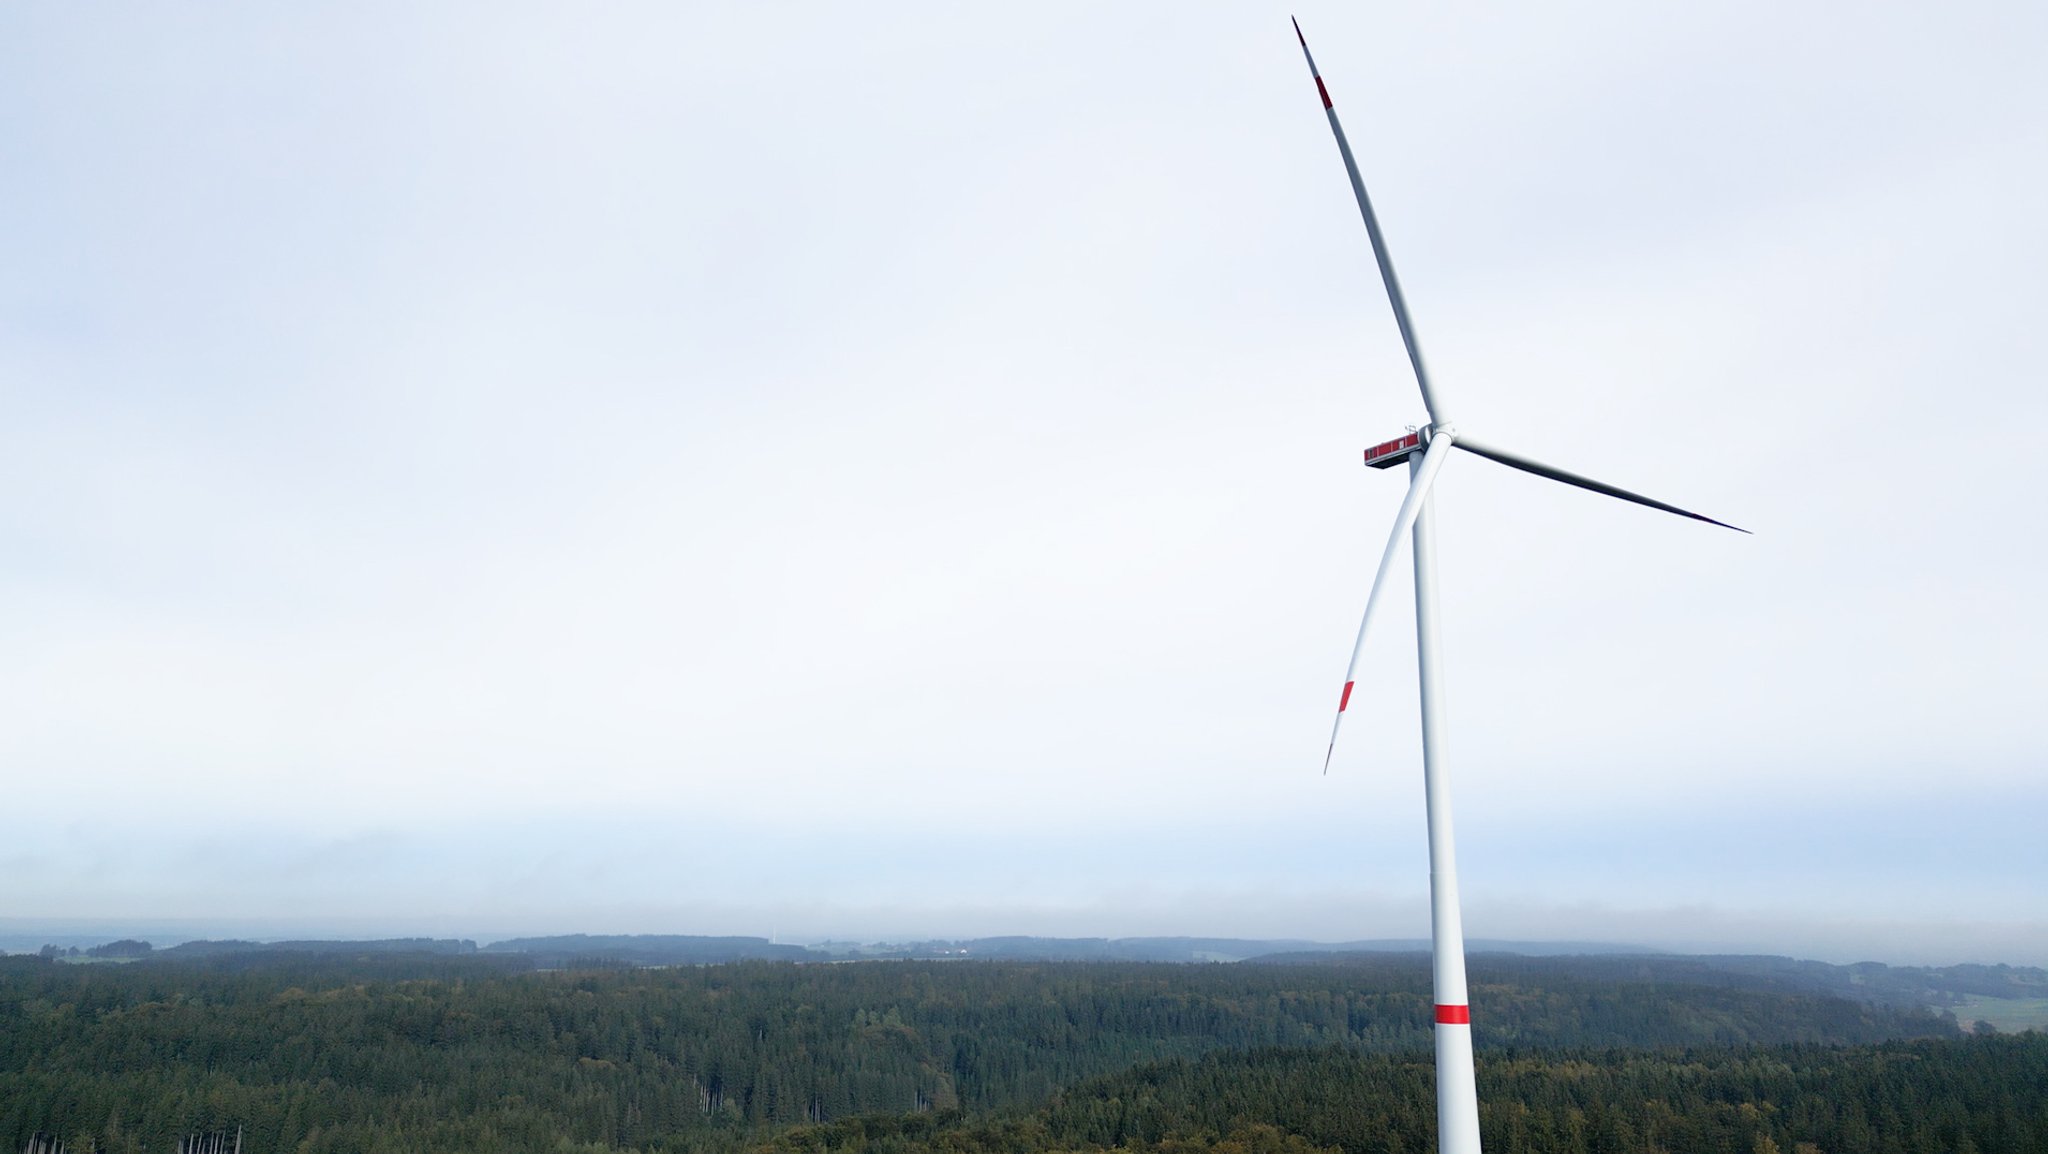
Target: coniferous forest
column 443, row 1053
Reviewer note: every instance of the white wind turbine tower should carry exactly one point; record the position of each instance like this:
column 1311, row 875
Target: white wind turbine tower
column 1457, row 1101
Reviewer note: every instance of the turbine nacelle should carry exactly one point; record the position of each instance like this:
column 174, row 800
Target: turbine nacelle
column 1387, row 454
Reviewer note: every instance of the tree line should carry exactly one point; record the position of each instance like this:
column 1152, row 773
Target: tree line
column 441, row 1052
column 1932, row 1096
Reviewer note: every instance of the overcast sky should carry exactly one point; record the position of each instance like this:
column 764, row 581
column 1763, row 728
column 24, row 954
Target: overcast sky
column 810, row 470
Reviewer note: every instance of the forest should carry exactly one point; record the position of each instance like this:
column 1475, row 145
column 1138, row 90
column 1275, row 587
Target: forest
column 396, row 1051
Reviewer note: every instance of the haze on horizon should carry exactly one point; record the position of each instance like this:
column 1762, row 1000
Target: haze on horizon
column 847, row 473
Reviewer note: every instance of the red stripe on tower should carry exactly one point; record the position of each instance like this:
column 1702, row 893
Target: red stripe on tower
column 1346, row 699
column 1454, row 1015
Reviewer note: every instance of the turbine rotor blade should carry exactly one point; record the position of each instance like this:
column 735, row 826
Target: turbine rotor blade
column 1432, row 461
column 1517, row 461
column 1379, row 242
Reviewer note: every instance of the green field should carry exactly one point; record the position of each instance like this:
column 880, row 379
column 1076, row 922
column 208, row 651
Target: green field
column 2008, row 1015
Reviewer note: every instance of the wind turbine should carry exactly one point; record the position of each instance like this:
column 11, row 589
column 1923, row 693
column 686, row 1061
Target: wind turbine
column 1425, row 450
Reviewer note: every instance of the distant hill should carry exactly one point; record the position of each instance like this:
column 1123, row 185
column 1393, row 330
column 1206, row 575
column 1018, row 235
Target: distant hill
column 2011, row 997
column 215, row 949
column 1870, row 983
column 649, row 950
column 1178, row 949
